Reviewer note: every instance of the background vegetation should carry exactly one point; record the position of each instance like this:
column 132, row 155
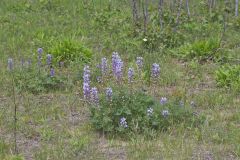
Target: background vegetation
column 196, row 45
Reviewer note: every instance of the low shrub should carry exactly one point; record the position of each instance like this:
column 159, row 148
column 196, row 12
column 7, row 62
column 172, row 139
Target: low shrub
column 69, row 51
column 201, row 50
column 229, row 76
column 35, row 82
column 136, row 112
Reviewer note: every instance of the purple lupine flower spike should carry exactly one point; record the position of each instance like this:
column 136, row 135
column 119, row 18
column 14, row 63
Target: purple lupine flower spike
column 165, row 113
column 139, row 63
column 94, row 95
column 119, row 69
column 49, row 59
column 86, row 83
column 163, row 100
column 104, row 66
column 123, row 122
column 115, row 56
column 40, row 51
column 109, row 93
column 10, row 64
column 52, row 72
column 130, row 75
column 155, row 70
column 150, row 111
column 86, row 90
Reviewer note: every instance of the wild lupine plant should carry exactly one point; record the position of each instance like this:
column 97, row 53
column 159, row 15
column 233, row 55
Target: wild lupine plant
column 132, row 111
column 109, row 93
column 130, row 75
column 40, row 51
column 10, row 68
column 94, row 96
column 86, row 83
column 155, row 71
column 49, row 59
column 104, row 66
column 139, row 63
column 128, row 109
column 41, row 80
column 117, row 66
column 52, row 72
column 123, row 122
column 163, row 100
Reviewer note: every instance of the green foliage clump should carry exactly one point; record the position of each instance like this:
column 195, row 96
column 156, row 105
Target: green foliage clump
column 200, row 50
column 229, row 77
column 134, row 107
column 163, row 39
column 38, row 81
column 69, row 51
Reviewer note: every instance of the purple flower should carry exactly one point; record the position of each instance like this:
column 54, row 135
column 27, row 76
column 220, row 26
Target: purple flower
column 115, row 57
column 119, row 69
column 94, row 95
column 109, row 93
column 86, row 74
column 86, row 90
column 123, row 122
column 130, row 75
column 52, row 72
column 139, row 63
column 86, row 82
column 104, row 66
column 150, row 111
column 40, row 50
column 155, row 70
column 165, row 113
column 117, row 66
column 49, row 59
column 163, row 100
column 10, row 64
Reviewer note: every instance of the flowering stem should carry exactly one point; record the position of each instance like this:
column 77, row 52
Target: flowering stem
column 15, row 114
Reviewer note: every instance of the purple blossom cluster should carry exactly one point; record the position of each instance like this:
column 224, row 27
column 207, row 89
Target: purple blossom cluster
column 104, row 67
column 109, row 93
column 52, row 72
column 49, row 59
column 130, row 75
column 155, row 70
column 165, row 113
column 117, row 66
column 40, row 51
column 123, row 122
column 163, row 100
column 139, row 63
column 94, row 95
column 86, row 83
column 150, row 111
